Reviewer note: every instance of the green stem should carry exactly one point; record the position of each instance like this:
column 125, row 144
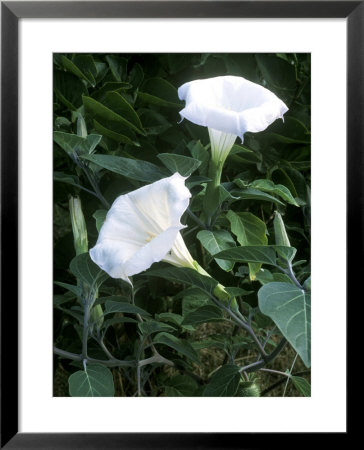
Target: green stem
column 211, row 200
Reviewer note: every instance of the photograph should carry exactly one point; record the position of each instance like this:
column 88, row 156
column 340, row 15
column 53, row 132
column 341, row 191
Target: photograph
column 181, row 224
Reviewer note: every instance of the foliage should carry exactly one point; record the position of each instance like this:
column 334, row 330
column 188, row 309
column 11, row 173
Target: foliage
column 117, row 128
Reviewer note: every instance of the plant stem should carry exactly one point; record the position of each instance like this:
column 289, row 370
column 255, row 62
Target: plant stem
column 195, row 218
column 282, row 380
column 253, row 367
column 242, row 324
column 86, row 318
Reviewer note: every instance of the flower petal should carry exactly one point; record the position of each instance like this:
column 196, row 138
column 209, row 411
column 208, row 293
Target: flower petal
column 140, row 227
column 230, row 104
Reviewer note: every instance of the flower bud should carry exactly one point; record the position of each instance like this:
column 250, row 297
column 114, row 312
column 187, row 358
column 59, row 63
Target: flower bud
column 78, row 226
column 280, row 231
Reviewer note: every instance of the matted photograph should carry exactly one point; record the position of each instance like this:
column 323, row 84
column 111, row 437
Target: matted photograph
column 181, row 224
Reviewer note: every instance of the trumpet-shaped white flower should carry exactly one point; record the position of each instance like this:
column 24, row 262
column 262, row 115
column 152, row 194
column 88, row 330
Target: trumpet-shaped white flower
column 143, row 227
column 229, row 106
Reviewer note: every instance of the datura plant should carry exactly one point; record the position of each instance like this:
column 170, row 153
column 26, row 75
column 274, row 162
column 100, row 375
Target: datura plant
column 182, row 248
column 228, row 106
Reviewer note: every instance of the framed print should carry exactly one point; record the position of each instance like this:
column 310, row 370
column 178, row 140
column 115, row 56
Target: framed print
column 158, row 184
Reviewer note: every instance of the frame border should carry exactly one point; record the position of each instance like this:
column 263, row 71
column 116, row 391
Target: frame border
column 11, row 13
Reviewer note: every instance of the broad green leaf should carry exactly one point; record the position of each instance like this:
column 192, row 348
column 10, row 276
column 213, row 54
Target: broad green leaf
column 120, row 136
column 278, row 189
column 249, row 230
column 116, row 321
column 198, row 151
column 70, row 287
column 287, row 253
column 185, row 275
column 110, row 120
column 236, row 291
column 247, row 193
column 136, row 75
column 94, row 381
column 129, row 168
column 87, row 271
column 302, row 385
column 152, row 326
column 153, row 122
column 244, row 155
column 290, row 309
column 184, row 165
column 68, row 89
column 79, row 70
column 224, row 382
column 72, row 143
column 208, row 313
column 176, row 319
column 110, row 86
column 159, row 92
column 180, row 386
column 264, row 254
column 180, row 345
column 118, row 104
column 73, row 180
column 124, row 307
column 118, row 66
column 216, row 241
column 99, row 216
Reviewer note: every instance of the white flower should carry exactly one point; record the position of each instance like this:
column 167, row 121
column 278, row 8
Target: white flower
column 142, row 227
column 229, row 106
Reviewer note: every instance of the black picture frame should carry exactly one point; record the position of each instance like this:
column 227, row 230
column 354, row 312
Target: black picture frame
column 11, row 13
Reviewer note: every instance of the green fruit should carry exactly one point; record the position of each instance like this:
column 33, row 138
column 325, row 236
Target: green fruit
column 248, row 389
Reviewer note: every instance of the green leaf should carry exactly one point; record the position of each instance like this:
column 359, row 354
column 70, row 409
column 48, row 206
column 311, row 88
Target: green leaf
column 180, row 345
column 66, row 178
column 94, row 381
column 118, row 66
column 68, row 89
column 129, row 168
column 110, row 120
column 249, row 230
column 278, row 189
column 204, row 314
column 124, row 307
column 247, row 193
column 180, row 386
column 185, row 275
column 302, row 385
column 110, row 86
column 72, row 143
column 70, row 287
column 287, row 253
column 81, row 68
column 100, row 217
column 159, row 92
column 152, row 326
column 184, row 165
column 118, row 104
column 290, row 309
column 224, row 382
column 264, row 254
column 291, row 131
column 84, row 269
column 216, row 241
